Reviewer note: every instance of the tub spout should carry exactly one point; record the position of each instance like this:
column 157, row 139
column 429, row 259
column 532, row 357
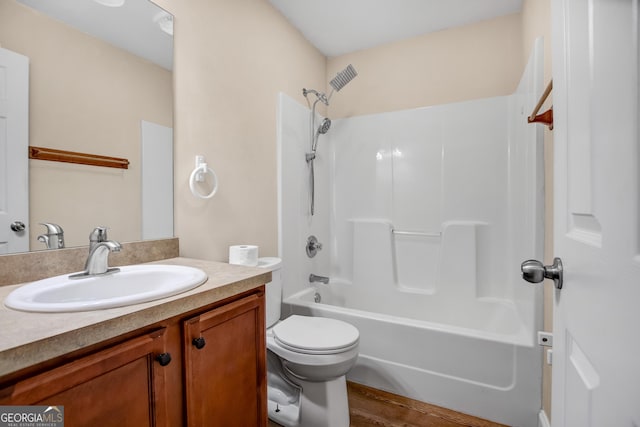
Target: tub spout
column 313, row 278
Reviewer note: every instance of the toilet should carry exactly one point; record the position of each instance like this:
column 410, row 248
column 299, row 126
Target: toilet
column 307, row 360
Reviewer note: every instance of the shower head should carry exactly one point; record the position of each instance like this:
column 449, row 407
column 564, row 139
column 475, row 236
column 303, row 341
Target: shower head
column 324, row 126
column 343, row 77
column 339, row 81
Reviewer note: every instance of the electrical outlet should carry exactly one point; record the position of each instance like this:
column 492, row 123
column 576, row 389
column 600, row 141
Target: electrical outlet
column 545, row 338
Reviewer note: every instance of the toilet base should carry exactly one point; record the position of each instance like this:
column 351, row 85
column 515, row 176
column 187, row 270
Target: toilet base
column 322, row 404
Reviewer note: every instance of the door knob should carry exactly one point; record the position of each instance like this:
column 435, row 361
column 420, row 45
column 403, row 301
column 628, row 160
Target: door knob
column 535, row 272
column 18, row 226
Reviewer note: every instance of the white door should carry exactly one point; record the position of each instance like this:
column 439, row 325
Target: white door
column 14, row 159
column 596, row 364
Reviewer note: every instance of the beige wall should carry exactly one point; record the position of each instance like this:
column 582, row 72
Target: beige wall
column 87, row 96
column 231, row 60
column 470, row 62
column 536, row 21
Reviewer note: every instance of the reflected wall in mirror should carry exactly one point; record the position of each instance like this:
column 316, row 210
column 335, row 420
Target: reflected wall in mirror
column 87, row 95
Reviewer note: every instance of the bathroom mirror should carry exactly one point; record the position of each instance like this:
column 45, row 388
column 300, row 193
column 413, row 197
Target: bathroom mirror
column 100, row 82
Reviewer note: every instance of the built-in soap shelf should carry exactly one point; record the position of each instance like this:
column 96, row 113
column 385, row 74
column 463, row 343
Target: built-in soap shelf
column 416, row 260
column 415, row 233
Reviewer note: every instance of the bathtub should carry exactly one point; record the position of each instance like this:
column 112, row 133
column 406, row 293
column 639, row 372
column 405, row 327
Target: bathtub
column 475, row 356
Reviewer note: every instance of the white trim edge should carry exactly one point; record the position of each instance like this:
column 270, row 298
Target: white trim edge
column 543, row 421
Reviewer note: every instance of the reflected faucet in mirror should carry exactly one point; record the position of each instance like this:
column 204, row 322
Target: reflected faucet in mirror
column 54, row 237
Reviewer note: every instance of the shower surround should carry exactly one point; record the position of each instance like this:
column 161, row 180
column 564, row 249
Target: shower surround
column 425, row 216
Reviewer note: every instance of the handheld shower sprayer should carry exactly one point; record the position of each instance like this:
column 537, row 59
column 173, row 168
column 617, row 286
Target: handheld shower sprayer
column 338, row 82
column 322, row 129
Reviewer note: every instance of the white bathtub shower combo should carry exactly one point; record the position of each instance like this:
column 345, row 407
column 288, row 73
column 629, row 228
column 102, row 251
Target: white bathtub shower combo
column 424, row 217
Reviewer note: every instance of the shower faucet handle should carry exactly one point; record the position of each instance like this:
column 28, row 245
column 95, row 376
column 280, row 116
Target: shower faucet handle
column 313, row 246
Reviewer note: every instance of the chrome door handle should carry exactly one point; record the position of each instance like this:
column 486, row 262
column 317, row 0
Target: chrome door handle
column 535, row 272
column 18, row 226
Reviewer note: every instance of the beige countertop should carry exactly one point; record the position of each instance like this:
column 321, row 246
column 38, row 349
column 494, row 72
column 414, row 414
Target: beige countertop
column 30, row 338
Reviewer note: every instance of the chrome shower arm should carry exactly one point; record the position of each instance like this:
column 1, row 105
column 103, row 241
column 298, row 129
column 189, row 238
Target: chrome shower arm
column 321, row 96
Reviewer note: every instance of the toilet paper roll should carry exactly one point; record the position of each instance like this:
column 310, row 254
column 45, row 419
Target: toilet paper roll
column 243, row 255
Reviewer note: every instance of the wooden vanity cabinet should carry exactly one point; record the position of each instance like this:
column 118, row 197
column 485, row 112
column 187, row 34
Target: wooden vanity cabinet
column 122, row 385
column 133, row 383
column 225, row 373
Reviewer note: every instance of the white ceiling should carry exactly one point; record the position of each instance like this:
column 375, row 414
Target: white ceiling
column 337, row 27
column 131, row 27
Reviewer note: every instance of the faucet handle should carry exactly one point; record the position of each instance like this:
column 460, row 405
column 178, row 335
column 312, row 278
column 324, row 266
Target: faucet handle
column 313, row 246
column 99, row 234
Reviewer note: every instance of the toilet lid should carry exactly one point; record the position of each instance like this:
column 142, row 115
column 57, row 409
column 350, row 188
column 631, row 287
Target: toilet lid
column 315, row 334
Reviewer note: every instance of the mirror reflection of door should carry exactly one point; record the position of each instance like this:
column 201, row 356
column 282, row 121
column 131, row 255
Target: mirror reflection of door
column 14, row 139
column 157, row 181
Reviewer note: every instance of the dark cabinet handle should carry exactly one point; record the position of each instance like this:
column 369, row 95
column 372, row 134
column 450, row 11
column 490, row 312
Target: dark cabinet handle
column 198, row 342
column 163, row 359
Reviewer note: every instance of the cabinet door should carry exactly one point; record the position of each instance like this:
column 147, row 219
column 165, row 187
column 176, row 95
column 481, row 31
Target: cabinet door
column 225, row 376
column 120, row 386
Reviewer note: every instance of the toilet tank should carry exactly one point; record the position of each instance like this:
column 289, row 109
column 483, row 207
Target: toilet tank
column 273, row 289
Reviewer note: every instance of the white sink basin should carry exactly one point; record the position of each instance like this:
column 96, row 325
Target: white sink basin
column 131, row 285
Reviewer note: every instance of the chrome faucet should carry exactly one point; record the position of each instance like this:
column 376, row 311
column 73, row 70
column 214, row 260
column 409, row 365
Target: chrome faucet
column 54, row 237
column 98, row 259
column 322, row 279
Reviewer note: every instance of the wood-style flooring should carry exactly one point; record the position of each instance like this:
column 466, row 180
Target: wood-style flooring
column 371, row 407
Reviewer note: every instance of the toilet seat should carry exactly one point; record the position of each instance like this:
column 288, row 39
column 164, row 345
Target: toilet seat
column 315, row 335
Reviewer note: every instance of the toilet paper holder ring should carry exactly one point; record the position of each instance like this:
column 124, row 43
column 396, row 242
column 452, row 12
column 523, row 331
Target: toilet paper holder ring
column 198, row 175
